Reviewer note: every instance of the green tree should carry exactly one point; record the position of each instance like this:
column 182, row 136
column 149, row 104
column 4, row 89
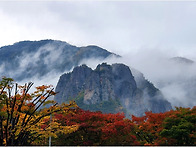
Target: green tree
column 181, row 126
column 175, row 127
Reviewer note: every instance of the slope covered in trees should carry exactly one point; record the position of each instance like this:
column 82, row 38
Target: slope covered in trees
column 24, row 122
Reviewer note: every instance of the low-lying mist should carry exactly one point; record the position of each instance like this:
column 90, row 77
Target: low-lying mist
column 176, row 80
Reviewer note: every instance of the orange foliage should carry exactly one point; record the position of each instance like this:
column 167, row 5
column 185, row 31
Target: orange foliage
column 97, row 128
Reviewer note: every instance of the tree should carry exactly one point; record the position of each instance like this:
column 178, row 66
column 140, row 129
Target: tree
column 22, row 116
column 96, row 128
column 175, row 127
column 181, row 126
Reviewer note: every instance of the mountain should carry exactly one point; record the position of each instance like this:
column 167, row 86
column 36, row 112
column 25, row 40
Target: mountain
column 26, row 59
column 182, row 60
column 150, row 93
column 110, row 89
column 178, row 81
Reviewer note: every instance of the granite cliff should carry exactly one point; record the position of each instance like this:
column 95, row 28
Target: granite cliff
column 110, row 89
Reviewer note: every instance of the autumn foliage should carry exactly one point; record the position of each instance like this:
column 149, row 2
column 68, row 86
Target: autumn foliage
column 25, row 120
column 22, row 117
column 175, row 127
column 96, row 128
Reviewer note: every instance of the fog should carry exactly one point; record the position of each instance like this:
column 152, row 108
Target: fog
column 46, row 57
column 176, row 80
column 145, row 33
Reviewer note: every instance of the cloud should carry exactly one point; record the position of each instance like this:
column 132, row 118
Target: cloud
column 120, row 27
column 177, row 95
column 176, row 81
column 45, row 58
column 146, row 34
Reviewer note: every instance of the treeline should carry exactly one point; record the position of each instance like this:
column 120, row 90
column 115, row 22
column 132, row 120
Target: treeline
column 175, row 127
column 25, row 121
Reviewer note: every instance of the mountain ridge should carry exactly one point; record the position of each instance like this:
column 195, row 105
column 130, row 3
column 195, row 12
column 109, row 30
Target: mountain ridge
column 27, row 59
column 182, row 60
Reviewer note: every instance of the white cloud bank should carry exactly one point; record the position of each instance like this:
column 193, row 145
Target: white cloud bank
column 121, row 27
column 176, row 81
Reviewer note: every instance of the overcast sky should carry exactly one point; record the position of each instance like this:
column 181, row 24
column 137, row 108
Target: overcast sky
column 120, row 27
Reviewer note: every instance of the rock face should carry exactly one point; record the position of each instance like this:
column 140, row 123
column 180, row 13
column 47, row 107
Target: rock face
column 110, row 89
column 27, row 59
column 153, row 98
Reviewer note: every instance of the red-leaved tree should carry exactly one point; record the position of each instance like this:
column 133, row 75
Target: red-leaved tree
column 96, row 128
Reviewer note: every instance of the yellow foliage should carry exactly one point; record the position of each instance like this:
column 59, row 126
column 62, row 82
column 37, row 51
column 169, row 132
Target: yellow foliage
column 21, row 114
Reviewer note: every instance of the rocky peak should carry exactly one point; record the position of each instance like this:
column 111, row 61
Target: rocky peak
column 81, row 71
column 111, row 89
